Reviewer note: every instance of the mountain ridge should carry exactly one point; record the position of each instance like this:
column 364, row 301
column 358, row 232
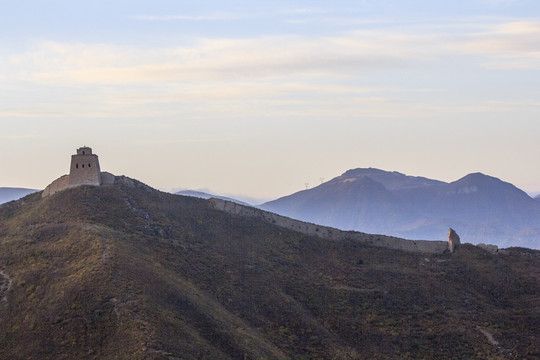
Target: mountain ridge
column 13, row 193
column 205, row 195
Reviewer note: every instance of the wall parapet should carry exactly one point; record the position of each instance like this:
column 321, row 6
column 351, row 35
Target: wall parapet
column 63, row 183
column 325, row 232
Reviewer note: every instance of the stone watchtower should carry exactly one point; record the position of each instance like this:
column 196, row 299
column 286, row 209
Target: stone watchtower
column 84, row 168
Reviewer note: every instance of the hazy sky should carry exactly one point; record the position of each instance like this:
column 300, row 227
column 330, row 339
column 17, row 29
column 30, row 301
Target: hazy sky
column 259, row 98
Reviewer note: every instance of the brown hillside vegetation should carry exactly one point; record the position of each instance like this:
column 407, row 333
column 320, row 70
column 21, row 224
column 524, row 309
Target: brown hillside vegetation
column 128, row 272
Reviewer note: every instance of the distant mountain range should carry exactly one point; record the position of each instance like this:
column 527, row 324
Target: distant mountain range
column 204, row 195
column 481, row 208
column 9, row 193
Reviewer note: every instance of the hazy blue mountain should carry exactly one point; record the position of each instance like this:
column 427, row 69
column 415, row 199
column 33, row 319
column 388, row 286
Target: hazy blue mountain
column 9, row 193
column 483, row 209
column 204, row 195
column 392, row 180
column 344, row 202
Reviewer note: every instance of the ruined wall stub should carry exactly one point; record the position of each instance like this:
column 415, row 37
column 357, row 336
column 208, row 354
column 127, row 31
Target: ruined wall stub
column 453, row 240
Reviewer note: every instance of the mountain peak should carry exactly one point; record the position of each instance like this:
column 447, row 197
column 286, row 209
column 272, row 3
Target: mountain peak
column 479, row 177
column 392, row 180
column 489, row 185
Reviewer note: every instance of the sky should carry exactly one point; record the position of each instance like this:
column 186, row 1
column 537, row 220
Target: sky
column 263, row 99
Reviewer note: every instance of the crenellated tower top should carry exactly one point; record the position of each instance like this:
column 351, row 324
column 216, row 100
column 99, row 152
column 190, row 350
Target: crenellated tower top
column 85, row 150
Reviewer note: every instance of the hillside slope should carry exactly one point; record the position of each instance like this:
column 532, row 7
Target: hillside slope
column 125, row 271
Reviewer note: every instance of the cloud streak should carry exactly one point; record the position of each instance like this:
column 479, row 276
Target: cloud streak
column 209, row 17
column 505, row 45
column 222, row 59
column 511, row 45
column 283, row 75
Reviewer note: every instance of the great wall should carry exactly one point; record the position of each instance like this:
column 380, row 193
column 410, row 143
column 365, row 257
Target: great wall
column 389, row 242
column 85, row 170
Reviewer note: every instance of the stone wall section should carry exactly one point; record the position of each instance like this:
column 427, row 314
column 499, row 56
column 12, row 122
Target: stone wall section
column 57, row 185
column 107, row 178
column 389, row 242
column 62, row 183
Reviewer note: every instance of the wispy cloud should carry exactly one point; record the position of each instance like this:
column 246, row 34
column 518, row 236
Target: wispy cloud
column 206, row 17
column 208, row 60
column 185, row 140
column 502, row 3
column 511, row 45
column 303, row 11
column 291, row 72
column 503, row 45
column 16, row 137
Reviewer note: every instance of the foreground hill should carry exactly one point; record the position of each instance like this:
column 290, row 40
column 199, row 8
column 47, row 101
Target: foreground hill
column 483, row 209
column 10, row 194
column 128, row 272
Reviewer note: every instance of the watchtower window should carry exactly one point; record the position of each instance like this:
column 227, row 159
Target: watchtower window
column 83, row 153
column 83, row 165
column 77, row 166
column 89, row 165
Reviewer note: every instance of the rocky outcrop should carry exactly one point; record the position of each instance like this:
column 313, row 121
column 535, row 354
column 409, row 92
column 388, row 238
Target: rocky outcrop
column 492, row 249
column 5, row 285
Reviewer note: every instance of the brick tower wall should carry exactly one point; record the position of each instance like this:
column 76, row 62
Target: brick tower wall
column 84, row 168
